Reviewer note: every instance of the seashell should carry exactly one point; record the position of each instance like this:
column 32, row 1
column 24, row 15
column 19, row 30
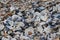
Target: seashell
column 47, row 30
column 28, row 20
column 21, row 24
column 44, row 18
column 11, row 23
column 43, row 15
column 29, row 31
column 44, row 0
column 56, row 38
column 5, row 34
column 24, row 38
column 40, row 29
column 12, row 8
column 17, row 33
column 55, row 8
column 42, row 23
column 1, row 27
column 3, row 38
column 4, row 1
column 14, row 17
column 20, row 14
column 36, row 38
column 10, row 27
column 13, row 39
column 58, row 8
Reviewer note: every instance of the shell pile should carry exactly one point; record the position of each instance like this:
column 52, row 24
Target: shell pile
column 29, row 19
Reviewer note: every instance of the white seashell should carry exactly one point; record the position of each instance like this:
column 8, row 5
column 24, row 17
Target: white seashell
column 20, row 14
column 10, row 27
column 4, row 1
column 29, row 19
column 58, row 7
column 37, row 18
column 37, row 13
column 18, row 27
column 47, row 30
column 12, row 8
column 17, row 36
column 17, row 32
column 36, row 38
column 13, row 39
column 14, row 17
column 32, row 11
column 3, row 38
column 42, row 23
column 11, row 23
column 21, row 24
column 29, row 29
column 24, row 37
column 1, row 27
column 2, row 33
column 54, row 8
column 40, row 29
column 44, row 0
column 9, row 32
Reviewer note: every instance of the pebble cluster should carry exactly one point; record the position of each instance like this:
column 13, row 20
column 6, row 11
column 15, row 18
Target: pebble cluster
column 29, row 19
